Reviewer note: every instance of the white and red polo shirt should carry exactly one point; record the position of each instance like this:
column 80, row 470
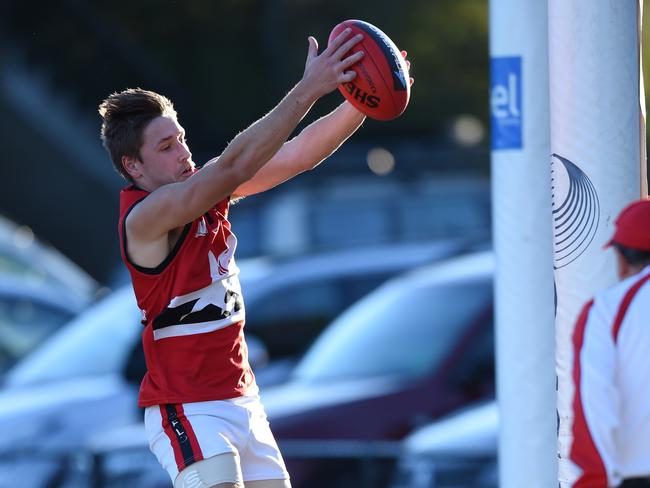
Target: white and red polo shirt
column 611, row 406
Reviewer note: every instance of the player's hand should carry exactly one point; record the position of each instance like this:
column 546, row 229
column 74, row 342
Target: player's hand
column 408, row 66
column 324, row 72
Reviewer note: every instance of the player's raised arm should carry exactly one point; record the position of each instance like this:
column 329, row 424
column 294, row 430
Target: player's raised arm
column 315, row 143
column 172, row 205
column 381, row 90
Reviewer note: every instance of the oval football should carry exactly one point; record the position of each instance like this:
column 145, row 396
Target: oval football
column 381, row 90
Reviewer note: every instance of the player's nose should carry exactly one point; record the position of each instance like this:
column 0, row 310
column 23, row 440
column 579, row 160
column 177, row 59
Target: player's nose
column 185, row 152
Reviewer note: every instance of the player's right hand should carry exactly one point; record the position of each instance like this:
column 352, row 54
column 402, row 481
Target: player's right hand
column 324, row 72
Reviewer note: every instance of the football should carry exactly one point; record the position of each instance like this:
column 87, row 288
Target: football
column 381, row 89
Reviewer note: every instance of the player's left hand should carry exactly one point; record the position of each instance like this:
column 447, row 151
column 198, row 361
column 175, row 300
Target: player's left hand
column 408, row 66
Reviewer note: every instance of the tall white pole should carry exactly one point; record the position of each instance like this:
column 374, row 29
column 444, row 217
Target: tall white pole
column 521, row 196
column 598, row 162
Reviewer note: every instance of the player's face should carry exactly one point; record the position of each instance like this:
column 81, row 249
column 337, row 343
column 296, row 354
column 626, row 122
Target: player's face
column 166, row 158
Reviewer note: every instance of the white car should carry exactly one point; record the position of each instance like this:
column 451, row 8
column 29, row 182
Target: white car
column 29, row 313
column 458, row 451
column 40, row 291
column 22, row 255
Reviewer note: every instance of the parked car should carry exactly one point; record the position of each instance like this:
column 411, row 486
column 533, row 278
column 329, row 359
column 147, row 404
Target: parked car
column 81, row 381
column 291, row 300
column 457, row 451
column 315, row 289
column 356, row 383
column 415, row 349
column 23, row 255
column 102, row 342
column 84, row 380
column 40, row 290
column 29, row 313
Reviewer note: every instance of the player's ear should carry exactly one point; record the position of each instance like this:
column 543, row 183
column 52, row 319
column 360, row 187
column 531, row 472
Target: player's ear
column 132, row 166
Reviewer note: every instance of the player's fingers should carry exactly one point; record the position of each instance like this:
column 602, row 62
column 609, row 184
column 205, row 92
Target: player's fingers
column 408, row 65
column 350, row 60
column 313, row 47
column 412, row 80
column 347, row 76
column 404, row 54
column 347, row 45
column 338, row 41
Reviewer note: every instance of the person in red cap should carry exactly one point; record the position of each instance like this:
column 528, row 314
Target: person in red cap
column 611, row 405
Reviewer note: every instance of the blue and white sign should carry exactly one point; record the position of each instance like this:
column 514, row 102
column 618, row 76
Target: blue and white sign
column 506, row 102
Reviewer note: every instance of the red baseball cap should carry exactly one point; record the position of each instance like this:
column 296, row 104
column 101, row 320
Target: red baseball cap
column 633, row 226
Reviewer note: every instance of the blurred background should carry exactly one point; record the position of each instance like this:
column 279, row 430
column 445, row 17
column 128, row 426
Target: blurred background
column 374, row 247
column 224, row 64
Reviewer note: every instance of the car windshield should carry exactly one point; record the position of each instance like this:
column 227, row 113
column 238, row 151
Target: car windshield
column 25, row 322
column 95, row 343
column 400, row 329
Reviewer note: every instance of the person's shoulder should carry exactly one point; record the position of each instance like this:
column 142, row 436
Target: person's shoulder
column 634, row 281
column 612, row 298
column 638, row 283
column 613, row 293
column 131, row 195
column 132, row 190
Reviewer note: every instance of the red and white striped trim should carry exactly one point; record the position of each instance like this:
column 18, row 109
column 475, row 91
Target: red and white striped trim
column 625, row 303
column 583, row 449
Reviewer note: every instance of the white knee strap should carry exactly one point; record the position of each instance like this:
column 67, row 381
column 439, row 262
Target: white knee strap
column 222, row 468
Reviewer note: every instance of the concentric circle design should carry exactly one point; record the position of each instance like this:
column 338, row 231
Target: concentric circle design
column 576, row 210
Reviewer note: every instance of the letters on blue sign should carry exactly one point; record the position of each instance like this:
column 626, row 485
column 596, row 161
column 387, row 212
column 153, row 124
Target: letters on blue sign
column 506, row 102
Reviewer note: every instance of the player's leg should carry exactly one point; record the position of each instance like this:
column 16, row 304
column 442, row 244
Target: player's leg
column 222, row 470
column 268, row 484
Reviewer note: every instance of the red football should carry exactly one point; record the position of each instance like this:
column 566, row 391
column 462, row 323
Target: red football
column 381, row 89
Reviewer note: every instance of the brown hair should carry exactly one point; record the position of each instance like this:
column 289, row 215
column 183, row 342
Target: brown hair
column 125, row 115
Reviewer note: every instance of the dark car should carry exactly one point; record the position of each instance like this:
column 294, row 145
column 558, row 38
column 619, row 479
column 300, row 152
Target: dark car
column 413, row 350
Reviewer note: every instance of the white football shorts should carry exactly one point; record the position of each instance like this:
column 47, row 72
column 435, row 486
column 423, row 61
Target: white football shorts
column 182, row 434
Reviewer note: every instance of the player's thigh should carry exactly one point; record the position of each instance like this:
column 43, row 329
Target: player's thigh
column 222, row 470
column 268, row 484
